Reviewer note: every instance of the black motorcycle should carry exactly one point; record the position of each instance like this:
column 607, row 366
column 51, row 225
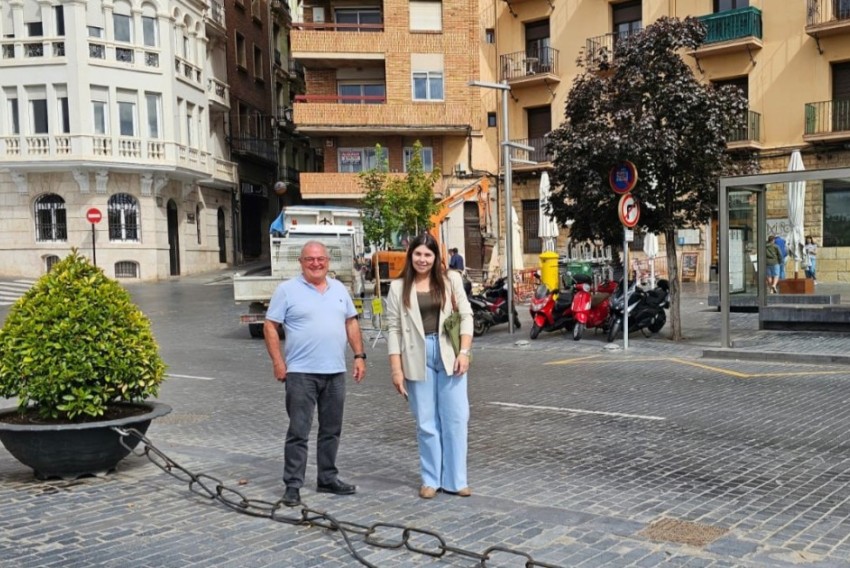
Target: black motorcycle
column 646, row 308
column 490, row 307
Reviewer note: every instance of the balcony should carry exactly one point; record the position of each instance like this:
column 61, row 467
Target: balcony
column 333, row 185
column 826, row 18
column 600, row 51
column 523, row 70
column 746, row 136
column 284, row 120
column 218, row 94
column 827, row 121
column 731, row 31
column 252, row 146
column 330, row 45
column 541, row 154
column 18, row 52
column 215, row 20
column 35, row 152
column 330, row 114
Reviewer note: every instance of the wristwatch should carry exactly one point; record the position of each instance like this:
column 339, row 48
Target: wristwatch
column 360, row 356
column 464, row 352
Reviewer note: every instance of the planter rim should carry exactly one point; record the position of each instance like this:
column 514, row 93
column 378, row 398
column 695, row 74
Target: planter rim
column 157, row 409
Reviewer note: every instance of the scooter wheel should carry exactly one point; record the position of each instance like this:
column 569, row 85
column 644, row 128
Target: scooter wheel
column 615, row 329
column 479, row 326
column 659, row 322
column 535, row 331
column 578, row 331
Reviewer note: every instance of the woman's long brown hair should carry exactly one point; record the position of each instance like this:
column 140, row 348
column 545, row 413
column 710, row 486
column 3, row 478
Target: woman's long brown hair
column 437, row 276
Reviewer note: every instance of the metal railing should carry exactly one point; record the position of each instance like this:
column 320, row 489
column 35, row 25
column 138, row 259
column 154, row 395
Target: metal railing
column 732, row 24
column 521, row 64
column 342, row 99
column 289, row 175
column 827, row 117
column 335, row 27
column 826, row 11
column 540, row 152
column 296, row 70
column 601, row 49
column 750, row 131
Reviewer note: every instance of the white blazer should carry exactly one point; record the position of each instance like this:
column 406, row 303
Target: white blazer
column 406, row 336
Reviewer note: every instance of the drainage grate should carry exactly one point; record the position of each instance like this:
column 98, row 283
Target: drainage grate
column 683, row 532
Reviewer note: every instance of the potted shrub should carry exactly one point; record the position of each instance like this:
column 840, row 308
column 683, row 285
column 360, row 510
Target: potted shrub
column 81, row 358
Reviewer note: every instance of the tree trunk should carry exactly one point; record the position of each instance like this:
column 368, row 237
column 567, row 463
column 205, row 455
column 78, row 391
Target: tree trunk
column 675, row 288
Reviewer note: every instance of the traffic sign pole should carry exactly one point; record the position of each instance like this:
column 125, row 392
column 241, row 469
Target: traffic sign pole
column 93, row 249
column 93, row 216
column 625, row 288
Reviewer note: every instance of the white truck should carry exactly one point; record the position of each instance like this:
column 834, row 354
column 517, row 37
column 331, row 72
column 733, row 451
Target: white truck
column 257, row 291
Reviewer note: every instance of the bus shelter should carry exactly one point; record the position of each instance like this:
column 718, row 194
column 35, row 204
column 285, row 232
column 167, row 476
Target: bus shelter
column 743, row 232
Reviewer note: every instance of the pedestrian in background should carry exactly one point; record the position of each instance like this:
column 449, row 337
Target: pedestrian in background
column 455, row 260
column 773, row 257
column 783, row 251
column 424, row 366
column 318, row 317
column 811, row 252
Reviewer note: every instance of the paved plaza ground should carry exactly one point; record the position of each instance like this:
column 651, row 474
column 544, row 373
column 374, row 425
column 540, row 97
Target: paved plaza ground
column 581, row 454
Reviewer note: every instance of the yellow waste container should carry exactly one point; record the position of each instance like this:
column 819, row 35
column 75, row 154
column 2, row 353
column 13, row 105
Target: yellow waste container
column 549, row 269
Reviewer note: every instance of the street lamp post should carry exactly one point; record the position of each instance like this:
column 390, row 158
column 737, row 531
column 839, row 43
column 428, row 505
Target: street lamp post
column 506, row 149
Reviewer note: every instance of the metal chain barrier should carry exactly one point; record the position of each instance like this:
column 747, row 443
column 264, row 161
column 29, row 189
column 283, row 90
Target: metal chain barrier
column 421, row 541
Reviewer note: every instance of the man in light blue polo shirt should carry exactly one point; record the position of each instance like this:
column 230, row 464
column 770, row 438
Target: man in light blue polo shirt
column 318, row 317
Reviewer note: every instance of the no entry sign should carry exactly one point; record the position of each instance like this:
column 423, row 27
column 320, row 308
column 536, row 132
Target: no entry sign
column 94, row 215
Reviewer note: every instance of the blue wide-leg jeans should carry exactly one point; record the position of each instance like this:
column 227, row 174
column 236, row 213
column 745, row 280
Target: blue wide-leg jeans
column 440, row 406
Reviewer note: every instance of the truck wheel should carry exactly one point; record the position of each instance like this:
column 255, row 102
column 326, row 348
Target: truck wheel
column 535, row 331
column 578, row 331
column 256, row 330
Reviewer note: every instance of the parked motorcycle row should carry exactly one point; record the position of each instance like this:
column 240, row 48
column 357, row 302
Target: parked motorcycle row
column 578, row 306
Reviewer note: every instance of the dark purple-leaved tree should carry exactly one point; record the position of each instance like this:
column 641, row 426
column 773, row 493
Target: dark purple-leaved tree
column 646, row 106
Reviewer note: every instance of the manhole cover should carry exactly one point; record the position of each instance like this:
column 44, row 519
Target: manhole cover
column 683, row 532
column 182, row 418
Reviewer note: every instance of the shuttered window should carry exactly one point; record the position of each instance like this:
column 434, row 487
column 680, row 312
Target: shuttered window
column 426, row 16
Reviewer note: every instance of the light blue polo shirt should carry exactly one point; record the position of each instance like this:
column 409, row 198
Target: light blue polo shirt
column 314, row 323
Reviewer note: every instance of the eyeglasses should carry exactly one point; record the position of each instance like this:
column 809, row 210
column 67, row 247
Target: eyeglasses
column 312, row 259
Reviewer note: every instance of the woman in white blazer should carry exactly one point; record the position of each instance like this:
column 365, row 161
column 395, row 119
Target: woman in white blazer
column 424, row 367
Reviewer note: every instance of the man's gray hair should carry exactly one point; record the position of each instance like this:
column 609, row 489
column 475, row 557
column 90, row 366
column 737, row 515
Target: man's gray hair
column 313, row 243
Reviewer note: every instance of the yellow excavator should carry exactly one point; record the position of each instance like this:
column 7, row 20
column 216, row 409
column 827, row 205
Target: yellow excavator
column 390, row 263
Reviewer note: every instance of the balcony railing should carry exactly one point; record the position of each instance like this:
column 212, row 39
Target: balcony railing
column 521, row 64
column 540, row 153
column 748, row 132
column 218, row 92
column 828, row 117
column 600, row 50
column 296, row 70
column 335, row 27
column 342, row 99
column 820, row 12
column 43, row 48
column 261, row 147
column 732, row 24
column 290, row 175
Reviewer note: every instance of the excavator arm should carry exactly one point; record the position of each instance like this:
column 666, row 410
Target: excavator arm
column 480, row 189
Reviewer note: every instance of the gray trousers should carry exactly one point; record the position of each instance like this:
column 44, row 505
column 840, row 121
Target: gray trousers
column 303, row 392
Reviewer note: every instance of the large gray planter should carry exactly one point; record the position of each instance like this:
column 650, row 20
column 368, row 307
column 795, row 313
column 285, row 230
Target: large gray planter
column 70, row 451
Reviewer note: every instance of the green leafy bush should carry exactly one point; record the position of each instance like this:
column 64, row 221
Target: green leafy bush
column 75, row 342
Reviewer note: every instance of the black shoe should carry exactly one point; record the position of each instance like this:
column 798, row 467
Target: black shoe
column 291, row 497
column 337, row 488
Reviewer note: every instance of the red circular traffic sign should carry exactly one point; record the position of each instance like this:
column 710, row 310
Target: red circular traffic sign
column 629, row 210
column 94, row 215
column 623, row 177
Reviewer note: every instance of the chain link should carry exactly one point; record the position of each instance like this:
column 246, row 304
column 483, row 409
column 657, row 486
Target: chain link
column 213, row 489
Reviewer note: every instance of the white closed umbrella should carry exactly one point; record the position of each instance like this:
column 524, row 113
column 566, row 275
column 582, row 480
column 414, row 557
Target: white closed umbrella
column 547, row 227
column 796, row 239
column 650, row 247
column 516, row 250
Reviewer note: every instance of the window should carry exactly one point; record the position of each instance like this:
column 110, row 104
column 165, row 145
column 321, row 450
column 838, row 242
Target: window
column 99, row 110
column 358, row 20
column 190, row 124
column 426, row 155
column 64, row 115
column 153, row 104
column 14, row 117
column 489, row 35
column 50, row 261
column 127, row 118
column 836, row 214
column 50, row 218
column 626, row 18
column 531, row 243
column 240, row 51
column 258, row 63
column 491, row 119
column 35, row 29
column 427, row 86
column 359, row 159
column 185, row 47
column 126, row 269
column 365, row 93
column 122, row 28
column 723, row 5
column 123, row 215
column 95, row 31
column 537, row 51
column 198, row 220
column 150, row 32
column 426, row 16
column 38, row 111
column 59, row 14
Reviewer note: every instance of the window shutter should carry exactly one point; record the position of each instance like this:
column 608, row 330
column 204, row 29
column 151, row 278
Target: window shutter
column 426, row 16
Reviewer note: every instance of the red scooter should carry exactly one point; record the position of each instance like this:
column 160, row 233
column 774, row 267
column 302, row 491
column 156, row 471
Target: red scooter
column 550, row 310
column 589, row 309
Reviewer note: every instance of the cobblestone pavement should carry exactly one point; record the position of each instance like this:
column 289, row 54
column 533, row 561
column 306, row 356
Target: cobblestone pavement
column 576, row 449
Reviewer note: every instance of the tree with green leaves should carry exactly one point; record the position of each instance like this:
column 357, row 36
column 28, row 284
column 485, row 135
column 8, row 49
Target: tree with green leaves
column 646, row 106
